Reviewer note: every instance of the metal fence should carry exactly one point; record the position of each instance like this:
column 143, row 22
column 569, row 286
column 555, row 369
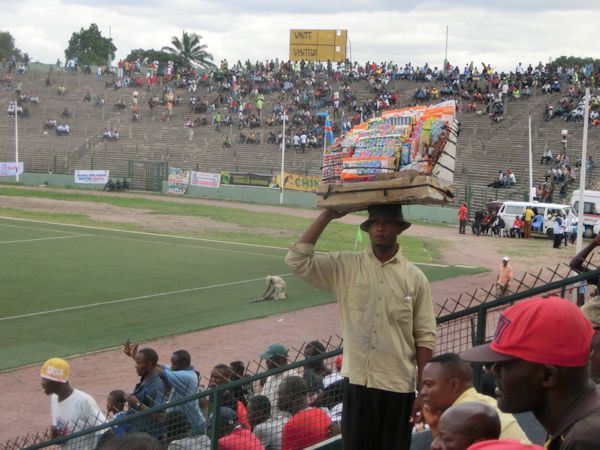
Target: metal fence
column 274, row 402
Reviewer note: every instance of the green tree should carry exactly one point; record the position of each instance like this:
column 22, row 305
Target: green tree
column 155, row 55
column 7, row 46
column 190, row 50
column 90, row 47
column 570, row 61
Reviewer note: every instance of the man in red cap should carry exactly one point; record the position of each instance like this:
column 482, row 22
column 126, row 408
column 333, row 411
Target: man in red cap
column 388, row 325
column 540, row 354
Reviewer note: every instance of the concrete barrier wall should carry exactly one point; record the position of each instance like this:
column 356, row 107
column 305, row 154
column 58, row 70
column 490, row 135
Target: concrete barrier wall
column 246, row 194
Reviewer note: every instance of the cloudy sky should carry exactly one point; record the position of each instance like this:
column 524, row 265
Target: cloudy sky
column 498, row 32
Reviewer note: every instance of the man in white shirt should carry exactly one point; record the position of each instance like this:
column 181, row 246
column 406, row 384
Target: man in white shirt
column 72, row 410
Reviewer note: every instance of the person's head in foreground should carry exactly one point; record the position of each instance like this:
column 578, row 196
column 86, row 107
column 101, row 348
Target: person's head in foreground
column 132, row 441
column 504, row 444
column 540, row 354
column 465, row 424
column 591, row 310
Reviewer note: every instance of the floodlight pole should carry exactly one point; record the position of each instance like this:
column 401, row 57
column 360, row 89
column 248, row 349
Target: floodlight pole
column 530, row 164
column 16, row 141
column 583, row 173
column 282, row 174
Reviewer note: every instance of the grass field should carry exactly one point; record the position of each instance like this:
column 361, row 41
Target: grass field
column 71, row 289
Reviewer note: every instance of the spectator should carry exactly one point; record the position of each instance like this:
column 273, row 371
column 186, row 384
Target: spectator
column 505, row 274
column 276, row 355
column 504, row 444
column 448, row 382
column 266, row 429
column 465, row 424
column 314, row 372
column 379, row 396
column 306, row 426
column 182, row 379
column 132, row 441
column 238, row 372
column 591, row 310
column 115, row 410
column 462, row 218
column 477, row 222
column 515, row 229
column 178, row 433
column 71, row 410
column 219, row 376
column 540, row 355
column 557, row 230
column 529, row 214
column 546, row 157
column 149, row 392
column 231, row 435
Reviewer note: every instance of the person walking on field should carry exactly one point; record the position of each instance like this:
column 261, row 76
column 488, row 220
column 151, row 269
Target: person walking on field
column 505, row 274
column 462, row 219
column 529, row 214
column 388, row 326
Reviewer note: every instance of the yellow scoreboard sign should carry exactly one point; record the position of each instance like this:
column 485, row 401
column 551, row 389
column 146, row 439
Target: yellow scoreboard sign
column 318, row 45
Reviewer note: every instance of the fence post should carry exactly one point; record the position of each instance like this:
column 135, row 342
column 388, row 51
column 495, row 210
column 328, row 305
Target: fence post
column 214, row 435
column 479, row 339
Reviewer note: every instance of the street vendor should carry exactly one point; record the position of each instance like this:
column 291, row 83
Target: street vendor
column 388, row 325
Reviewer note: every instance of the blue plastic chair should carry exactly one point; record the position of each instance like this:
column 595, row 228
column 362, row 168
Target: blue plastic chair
column 538, row 223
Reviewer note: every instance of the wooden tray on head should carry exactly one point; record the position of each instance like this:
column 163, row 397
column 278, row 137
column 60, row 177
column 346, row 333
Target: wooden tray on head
column 406, row 188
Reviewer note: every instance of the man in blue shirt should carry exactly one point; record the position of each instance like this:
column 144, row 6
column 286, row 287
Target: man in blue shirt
column 149, row 392
column 181, row 377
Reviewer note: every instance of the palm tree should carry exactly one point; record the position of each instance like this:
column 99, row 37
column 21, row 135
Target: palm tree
column 190, row 50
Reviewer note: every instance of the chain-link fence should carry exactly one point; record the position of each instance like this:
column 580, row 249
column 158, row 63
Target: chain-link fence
column 290, row 397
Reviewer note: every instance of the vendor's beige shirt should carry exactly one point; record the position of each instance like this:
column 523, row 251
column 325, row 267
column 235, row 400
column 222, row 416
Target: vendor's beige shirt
column 386, row 312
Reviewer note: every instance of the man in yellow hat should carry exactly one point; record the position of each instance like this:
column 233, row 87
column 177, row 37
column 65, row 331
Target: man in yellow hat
column 71, row 410
column 388, row 325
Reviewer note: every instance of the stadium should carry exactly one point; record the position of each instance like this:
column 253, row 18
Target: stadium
column 156, row 199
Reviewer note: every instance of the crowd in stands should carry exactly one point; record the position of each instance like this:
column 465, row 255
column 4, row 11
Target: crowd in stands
column 289, row 410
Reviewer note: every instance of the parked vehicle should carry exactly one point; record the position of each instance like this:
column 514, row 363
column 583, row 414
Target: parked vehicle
column 543, row 221
column 591, row 211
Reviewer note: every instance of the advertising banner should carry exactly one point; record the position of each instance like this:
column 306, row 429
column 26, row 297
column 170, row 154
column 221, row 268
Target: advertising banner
column 298, row 182
column 9, row 169
column 205, row 179
column 91, row 176
column 248, row 179
column 178, row 181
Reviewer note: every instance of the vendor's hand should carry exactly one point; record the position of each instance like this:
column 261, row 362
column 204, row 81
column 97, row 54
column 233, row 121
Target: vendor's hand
column 597, row 239
column 417, row 414
column 331, row 214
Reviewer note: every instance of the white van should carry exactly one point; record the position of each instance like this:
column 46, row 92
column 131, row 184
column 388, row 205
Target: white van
column 543, row 221
column 591, row 211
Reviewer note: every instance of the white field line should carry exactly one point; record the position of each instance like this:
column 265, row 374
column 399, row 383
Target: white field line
column 202, row 247
column 33, row 228
column 45, row 239
column 143, row 233
column 131, row 299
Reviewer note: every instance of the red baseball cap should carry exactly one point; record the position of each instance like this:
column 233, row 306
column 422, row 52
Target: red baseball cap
column 503, row 444
column 540, row 330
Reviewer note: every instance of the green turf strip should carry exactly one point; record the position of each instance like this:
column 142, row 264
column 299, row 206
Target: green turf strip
column 66, row 267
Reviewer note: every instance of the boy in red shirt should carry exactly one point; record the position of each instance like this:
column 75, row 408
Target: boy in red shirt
column 307, row 426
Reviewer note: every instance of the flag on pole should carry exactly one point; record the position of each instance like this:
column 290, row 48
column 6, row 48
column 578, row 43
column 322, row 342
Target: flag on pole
column 359, row 237
column 328, row 130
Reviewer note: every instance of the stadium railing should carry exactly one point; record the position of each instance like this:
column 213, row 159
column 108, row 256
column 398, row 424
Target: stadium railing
column 462, row 323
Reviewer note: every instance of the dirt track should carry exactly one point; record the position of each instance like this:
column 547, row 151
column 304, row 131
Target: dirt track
column 104, row 371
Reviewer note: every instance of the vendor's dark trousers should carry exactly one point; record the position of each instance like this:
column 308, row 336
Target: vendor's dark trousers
column 462, row 225
column 376, row 419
